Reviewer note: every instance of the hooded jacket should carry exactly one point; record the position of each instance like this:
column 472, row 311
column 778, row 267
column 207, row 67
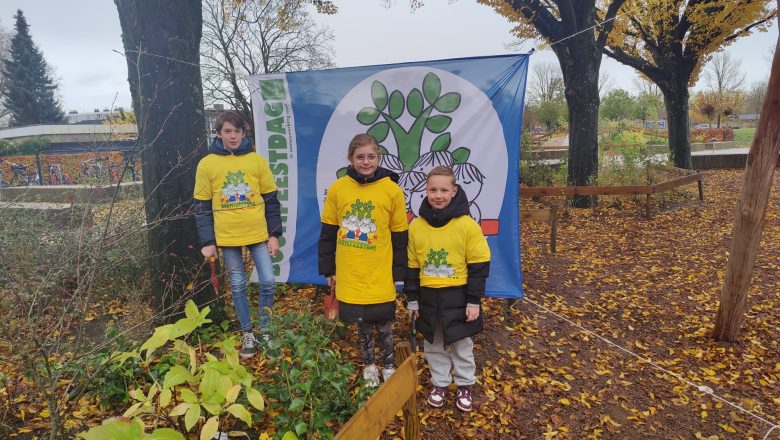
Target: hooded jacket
column 204, row 215
column 447, row 304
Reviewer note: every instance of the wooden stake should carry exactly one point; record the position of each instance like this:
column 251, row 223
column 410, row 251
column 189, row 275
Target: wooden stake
column 403, row 351
column 750, row 212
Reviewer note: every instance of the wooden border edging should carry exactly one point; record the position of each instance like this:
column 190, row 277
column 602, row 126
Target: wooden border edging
column 400, row 391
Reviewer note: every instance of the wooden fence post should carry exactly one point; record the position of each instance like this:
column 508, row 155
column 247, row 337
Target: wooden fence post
column 403, row 350
column 398, row 392
column 701, row 189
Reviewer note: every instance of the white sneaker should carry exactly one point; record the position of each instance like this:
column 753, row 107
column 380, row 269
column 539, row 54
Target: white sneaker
column 371, row 375
column 387, row 372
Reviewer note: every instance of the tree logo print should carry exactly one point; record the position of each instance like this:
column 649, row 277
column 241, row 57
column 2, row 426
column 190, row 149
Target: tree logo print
column 235, row 191
column 357, row 223
column 429, row 110
column 436, row 265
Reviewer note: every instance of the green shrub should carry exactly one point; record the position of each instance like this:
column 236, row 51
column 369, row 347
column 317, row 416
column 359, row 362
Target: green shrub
column 194, row 381
column 311, row 391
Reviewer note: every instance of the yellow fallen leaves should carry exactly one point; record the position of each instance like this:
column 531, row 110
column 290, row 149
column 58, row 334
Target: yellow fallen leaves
column 727, row 428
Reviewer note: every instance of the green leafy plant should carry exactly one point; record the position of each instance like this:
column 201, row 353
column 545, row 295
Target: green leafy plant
column 311, row 390
column 124, row 428
column 193, row 386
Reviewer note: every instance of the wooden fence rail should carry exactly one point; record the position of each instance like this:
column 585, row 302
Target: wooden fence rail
column 646, row 190
column 400, row 391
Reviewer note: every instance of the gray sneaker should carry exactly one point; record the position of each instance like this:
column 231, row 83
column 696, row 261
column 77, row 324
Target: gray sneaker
column 248, row 346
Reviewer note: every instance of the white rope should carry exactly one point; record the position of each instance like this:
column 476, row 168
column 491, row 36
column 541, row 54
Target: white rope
column 702, row 388
column 586, row 29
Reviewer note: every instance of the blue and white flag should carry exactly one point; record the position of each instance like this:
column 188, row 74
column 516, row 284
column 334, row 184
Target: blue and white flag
column 465, row 113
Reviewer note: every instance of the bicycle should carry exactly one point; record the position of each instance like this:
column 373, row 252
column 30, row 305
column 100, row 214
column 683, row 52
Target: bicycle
column 57, row 177
column 3, row 182
column 115, row 170
column 93, row 168
column 22, row 177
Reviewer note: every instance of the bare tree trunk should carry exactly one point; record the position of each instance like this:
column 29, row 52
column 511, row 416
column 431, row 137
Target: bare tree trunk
column 162, row 45
column 580, row 60
column 750, row 213
column 676, row 100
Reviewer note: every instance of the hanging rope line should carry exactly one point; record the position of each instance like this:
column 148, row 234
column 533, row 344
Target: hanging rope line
column 702, row 388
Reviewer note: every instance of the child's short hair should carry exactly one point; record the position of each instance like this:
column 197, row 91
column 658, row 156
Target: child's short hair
column 442, row 170
column 361, row 140
column 234, row 118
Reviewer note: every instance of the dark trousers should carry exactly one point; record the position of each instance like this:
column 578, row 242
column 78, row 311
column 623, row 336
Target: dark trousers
column 366, row 337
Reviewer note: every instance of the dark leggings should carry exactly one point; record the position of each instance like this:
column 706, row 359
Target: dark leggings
column 366, row 337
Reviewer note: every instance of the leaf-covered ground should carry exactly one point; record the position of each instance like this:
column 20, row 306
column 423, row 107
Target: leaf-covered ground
column 650, row 286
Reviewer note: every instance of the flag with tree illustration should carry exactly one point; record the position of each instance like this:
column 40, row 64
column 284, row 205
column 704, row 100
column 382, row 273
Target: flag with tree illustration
column 429, row 111
column 465, row 113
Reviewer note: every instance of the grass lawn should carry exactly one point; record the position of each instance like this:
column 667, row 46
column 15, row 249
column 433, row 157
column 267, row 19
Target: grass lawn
column 744, row 134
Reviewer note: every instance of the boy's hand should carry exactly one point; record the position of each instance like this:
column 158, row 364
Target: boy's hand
column 331, row 280
column 414, row 309
column 273, row 246
column 209, row 251
column 472, row 312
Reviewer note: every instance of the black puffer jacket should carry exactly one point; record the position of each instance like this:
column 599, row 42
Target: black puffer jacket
column 447, row 304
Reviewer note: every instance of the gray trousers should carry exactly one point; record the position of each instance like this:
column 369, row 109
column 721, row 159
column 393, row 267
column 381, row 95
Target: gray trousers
column 457, row 358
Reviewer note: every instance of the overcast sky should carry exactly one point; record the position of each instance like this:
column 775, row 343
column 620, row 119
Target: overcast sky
column 80, row 40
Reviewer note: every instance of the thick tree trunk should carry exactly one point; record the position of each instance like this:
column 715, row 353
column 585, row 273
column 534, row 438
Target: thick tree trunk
column 580, row 59
column 750, row 212
column 676, row 100
column 162, row 42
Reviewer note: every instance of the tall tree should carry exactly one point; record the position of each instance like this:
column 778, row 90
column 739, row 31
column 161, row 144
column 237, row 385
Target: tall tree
column 724, row 77
column 5, row 47
column 546, row 83
column 705, row 104
column 549, row 113
column 754, row 99
column 577, row 31
column 162, row 41
column 29, row 89
column 670, row 40
column 606, row 84
column 249, row 37
column 617, row 104
column 646, row 106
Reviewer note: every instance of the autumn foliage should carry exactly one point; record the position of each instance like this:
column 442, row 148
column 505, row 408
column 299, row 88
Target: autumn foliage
column 649, row 285
column 722, row 134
